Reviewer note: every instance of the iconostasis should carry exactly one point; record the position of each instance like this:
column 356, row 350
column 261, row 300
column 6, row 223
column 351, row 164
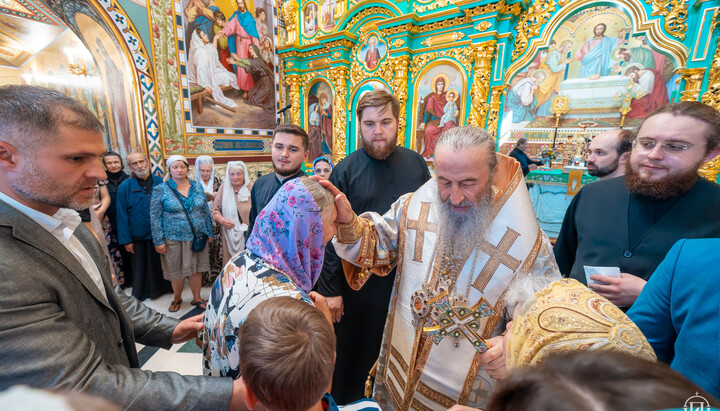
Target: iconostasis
column 213, row 77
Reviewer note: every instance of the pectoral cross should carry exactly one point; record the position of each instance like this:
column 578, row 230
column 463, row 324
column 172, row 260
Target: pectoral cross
column 421, row 225
column 498, row 255
column 459, row 321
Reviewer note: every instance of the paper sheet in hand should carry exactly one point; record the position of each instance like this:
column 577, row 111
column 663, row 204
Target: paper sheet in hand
column 606, row 271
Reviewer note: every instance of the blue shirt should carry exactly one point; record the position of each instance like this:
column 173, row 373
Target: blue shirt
column 168, row 219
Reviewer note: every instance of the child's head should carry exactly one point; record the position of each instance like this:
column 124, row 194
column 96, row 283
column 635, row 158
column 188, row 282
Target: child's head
column 287, row 354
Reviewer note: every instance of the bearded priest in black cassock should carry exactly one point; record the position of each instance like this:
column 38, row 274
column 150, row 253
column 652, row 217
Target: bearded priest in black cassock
column 372, row 178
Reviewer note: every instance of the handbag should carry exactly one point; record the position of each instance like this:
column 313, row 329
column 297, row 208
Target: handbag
column 199, row 240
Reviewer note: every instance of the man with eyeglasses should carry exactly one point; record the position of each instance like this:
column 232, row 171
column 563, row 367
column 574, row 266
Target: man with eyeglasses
column 631, row 222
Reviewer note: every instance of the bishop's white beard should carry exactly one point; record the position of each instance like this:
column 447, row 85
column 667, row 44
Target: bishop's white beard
column 459, row 231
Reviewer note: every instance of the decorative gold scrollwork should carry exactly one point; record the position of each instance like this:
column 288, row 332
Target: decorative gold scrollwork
column 482, row 56
column 501, row 7
column 494, row 113
column 339, row 76
column 711, row 97
column 693, row 80
column 293, row 82
column 365, row 13
column 290, row 14
column 482, row 26
column 675, row 13
column 462, row 55
column 530, row 22
column 400, row 67
column 398, row 43
column 444, row 38
column 418, row 8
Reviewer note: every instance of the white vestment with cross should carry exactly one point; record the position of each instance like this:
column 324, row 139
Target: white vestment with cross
column 432, row 364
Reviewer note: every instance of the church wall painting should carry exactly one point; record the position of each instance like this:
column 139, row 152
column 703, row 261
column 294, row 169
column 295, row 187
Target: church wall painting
column 319, row 121
column 593, row 57
column 327, row 15
column 439, row 104
column 230, row 63
column 372, row 52
column 310, row 19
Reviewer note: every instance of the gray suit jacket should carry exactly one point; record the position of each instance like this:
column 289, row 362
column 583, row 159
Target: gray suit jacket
column 58, row 331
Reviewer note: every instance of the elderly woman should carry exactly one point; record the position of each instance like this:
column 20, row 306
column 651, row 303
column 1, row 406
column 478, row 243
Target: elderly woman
column 322, row 166
column 205, row 175
column 170, row 205
column 284, row 256
column 231, row 209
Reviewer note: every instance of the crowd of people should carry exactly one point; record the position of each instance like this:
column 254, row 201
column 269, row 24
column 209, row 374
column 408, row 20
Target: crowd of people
column 372, row 277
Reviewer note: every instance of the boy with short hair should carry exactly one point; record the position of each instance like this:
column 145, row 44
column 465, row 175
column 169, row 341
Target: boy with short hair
column 287, row 356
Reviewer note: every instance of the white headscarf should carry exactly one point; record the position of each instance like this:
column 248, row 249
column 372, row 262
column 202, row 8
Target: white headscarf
column 208, row 188
column 235, row 237
column 173, row 158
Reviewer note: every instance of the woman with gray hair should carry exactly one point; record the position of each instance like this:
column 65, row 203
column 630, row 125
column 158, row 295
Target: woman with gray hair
column 205, row 175
column 231, row 209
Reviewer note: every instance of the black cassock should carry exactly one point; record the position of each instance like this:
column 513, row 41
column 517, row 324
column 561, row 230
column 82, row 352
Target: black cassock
column 607, row 226
column 370, row 185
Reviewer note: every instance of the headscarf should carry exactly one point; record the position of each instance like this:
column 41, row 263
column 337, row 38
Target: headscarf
column 323, row 158
column 208, row 188
column 120, row 176
column 288, row 234
column 568, row 316
column 235, row 237
column 173, row 158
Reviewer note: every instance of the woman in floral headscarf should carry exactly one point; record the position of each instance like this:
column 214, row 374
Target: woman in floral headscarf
column 284, row 256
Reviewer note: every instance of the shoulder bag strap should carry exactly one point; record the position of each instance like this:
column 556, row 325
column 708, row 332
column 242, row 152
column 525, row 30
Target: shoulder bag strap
column 183, row 207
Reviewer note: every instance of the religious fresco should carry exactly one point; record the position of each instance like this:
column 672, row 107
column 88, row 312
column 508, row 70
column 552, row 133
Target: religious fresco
column 230, row 49
column 372, row 52
column 596, row 59
column 439, row 105
column 327, row 15
column 310, row 20
column 319, row 121
column 123, row 119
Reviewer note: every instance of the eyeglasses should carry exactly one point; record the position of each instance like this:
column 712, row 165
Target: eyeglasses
column 647, row 145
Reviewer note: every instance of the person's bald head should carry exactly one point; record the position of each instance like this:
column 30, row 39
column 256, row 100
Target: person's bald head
column 608, row 153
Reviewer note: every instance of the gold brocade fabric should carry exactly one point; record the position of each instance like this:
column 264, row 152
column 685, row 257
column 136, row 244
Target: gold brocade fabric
column 568, row 316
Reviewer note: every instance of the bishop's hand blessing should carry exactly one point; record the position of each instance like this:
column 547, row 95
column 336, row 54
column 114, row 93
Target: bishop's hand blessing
column 345, row 213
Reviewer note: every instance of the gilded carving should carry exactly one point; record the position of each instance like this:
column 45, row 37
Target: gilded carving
column 398, row 43
column 482, row 56
column 693, row 80
column 562, row 3
column 530, row 22
column 290, row 14
column 455, row 23
column 367, row 12
column 442, row 39
column 711, row 97
column 482, row 26
column 338, row 76
column 319, row 62
column 675, row 13
column 463, row 55
column 494, row 114
column 501, row 7
column 336, row 55
column 432, row 6
column 358, row 72
column 290, row 64
column 327, row 46
column 293, row 82
column 400, row 67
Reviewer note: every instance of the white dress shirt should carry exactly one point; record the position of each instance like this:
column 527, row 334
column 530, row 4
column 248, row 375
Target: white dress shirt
column 62, row 225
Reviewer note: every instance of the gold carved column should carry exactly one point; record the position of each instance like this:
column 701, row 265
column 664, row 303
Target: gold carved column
column 290, row 15
column 339, row 78
column 693, row 80
column 293, row 82
column 400, row 67
column 482, row 56
column 711, row 97
column 494, row 114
